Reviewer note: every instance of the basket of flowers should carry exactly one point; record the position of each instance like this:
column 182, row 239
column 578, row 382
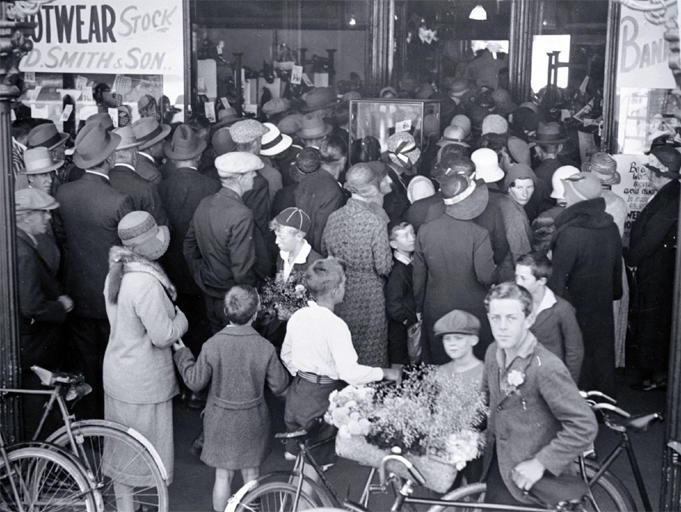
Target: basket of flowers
column 280, row 297
column 432, row 418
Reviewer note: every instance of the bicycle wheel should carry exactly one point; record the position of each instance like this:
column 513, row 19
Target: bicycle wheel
column 274, row 497
column 609, row 492
column 126, row 472
column 473, row 493
column 44, row 480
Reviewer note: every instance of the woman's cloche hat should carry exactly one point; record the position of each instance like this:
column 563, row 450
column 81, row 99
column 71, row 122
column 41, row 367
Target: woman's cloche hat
column 139, row 232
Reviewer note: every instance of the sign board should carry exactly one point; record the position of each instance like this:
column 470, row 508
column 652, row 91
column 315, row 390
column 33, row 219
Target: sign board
column 643, row 53
column 99, row 36
column 634, row 188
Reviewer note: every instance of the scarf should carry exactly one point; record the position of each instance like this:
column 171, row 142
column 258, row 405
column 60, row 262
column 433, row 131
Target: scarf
column 123, row 261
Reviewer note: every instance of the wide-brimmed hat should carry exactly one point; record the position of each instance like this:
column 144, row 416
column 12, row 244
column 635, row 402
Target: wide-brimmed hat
column 222, row 141
column 128, row 139
column 149, row 131
column 519, row 150
column 464, row 198
column 402, row 149
column 453, row 135
column 313, row 127
column 237, row 162
column 559, row 175
column 185, row 144
column 274, row 142
column 487, row 165
column 94, row 144
column 246, row 131
column 291, row 124
column 666, row 161
column 549, row 133
column 457, row 322
column 46, row 135
column 294, row 218
column 276, row 106
column 316, row 99
column 139, row 232
column 33, row 199
column 458, row 87
column 604, row 167
column 227, row 117
column 102, row 118
column 39, row 161
column 584, row 185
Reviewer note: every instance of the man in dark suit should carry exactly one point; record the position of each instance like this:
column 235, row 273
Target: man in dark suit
column 42, row 304
column 88, row 218
column 181, row 194
column 152, row 136
column 124, row 178
column 219, row 246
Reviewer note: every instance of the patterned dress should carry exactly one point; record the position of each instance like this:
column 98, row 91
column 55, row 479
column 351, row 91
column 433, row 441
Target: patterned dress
column 356, row 235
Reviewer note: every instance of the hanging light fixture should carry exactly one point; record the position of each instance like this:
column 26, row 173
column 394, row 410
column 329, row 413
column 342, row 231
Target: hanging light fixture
column 478, row 13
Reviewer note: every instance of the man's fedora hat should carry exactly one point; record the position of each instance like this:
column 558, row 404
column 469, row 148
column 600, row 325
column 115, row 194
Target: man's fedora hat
column 149, row 131
column 313, row 128
column 46, row 135
column 33, row 199
column 128, row 139
column 39, row 161
column 316, row 99
column 185, row 144
column 102, row 118
column 227, row 117
column 274, row 142
column 464, row 198
column 549, row 133
column 94, row 144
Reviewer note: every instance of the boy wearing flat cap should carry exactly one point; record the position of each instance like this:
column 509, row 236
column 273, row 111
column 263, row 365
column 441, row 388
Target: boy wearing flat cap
column 460, row 332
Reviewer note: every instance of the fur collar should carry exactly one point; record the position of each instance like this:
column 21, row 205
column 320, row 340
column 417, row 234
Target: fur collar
column 588, row 214
column 122, row 261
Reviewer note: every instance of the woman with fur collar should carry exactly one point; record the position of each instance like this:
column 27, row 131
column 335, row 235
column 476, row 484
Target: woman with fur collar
column 139, row 376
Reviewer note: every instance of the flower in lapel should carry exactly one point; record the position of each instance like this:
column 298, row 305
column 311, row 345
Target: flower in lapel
column 514, row 379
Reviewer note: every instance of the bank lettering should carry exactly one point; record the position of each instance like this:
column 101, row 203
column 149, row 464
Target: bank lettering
column 637, row 54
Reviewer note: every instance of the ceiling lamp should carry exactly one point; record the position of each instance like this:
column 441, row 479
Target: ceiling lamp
column 478, row 13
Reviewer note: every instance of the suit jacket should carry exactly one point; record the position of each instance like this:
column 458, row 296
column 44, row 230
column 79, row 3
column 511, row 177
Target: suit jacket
column 544, row 417
column 318, row 195
column 40, row 313
column 258, row 201
column 397, row 202
column 89, row 212
column 219, row 246
column 143, row 193
column 181, row 194
column 147, row 168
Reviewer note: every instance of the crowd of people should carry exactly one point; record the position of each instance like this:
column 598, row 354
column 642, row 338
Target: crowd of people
column 148, row 236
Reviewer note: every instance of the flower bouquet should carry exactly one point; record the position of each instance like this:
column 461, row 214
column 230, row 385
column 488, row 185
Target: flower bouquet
column 431, row 417
column 281, row 297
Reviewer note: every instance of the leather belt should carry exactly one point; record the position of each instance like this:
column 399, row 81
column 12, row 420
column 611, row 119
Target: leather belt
column 316, row 379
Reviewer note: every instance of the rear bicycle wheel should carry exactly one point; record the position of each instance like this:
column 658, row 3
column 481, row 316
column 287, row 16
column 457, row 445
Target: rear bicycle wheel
column 275, row 497
column 45, row 481
column 609, row 493
column 127, row 474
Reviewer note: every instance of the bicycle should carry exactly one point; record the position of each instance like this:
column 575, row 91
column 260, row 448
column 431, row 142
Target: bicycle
column 125, row 467
column 36, row 476
column 604, row 491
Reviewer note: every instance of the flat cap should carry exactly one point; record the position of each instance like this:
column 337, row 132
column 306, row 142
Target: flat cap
column 457, row 322
column 237, row 163
column 247, row 131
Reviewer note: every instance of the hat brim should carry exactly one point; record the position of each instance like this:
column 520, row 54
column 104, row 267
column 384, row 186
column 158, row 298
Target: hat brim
column 227, row 121
column 330, row 104
column 472, row 206
column 327, row 129
column 544, row 142
column 283, row 145
column 131, row 145
column 176, row 155
column 443, row 143
column 494, row 176
column 85, row 163
column 156, row 246
column 56, row 165
column 63, row 138
column 612, row 179
column 165, row 130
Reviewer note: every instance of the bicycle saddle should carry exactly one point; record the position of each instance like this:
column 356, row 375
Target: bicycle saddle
column 643, row 423
column 49, row 378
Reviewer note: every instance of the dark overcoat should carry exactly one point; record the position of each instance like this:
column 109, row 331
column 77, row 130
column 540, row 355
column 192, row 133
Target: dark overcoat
column 587, row 271
column 89, row 212
column 453, row 268
column 148, row 169
column 143, row 193
column 652, row 250
column 181, row 194
column 238, row 363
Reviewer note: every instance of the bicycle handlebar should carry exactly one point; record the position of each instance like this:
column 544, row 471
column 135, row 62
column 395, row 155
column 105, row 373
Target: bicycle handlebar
column 413, row 471
column 610, row 407
column 589, row 394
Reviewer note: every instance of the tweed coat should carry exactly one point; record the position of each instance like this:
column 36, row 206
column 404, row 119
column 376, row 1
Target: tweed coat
column 237, row 363
column 219, row 246
column 143, row 193
column 544, row 417
column 453, row 268
column 89, row 212
column 587, row 271
column 40, row 313
column 181, row 194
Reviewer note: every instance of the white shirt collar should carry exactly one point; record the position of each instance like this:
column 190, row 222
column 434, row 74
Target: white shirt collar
column 126, row 165
column 99, row 174
column 301, row 258
column 402, row 258
column 547, row 302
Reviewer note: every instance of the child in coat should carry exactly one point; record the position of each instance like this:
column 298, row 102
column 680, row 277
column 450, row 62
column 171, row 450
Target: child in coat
column 237, row 362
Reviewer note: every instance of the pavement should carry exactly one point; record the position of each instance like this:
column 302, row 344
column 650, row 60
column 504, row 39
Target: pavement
column 193, row 482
